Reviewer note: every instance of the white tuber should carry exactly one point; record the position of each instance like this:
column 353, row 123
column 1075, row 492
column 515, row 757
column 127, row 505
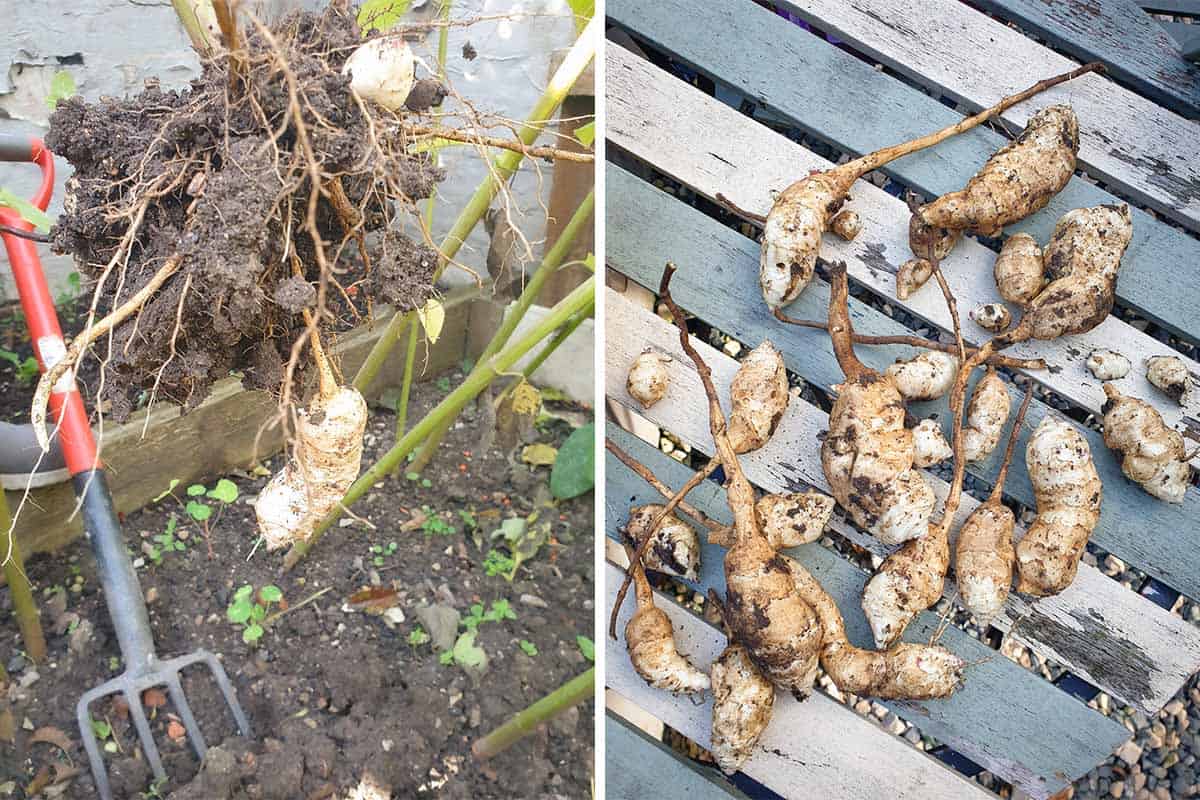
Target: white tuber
column 1107, row 365
column 929, row 444
column 1152, row 454
column 675, row 549
column 993, row 317
column 986, row 415
column 648, row 378
column 1170, row 374
column 381, row 71
column 924, row 377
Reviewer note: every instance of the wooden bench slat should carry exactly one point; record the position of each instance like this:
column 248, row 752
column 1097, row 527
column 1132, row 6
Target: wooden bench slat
column 1111, row 637
column 827, row 81
column 718, row 281
column 1137, row 52
column 1125, row 140
column 1013, row 723
column 639, row 766
column 712, row 148
column 1188, row 7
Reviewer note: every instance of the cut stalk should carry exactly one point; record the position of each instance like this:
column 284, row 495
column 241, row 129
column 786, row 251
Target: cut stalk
column 576, row 61
column 580, row 300
column 550, row 263
column 563, row 334
column 24, row 606
column 573, row 692
column 199, row 19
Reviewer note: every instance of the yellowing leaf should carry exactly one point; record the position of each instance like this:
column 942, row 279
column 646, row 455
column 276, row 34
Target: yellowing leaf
column 540, row 455
column 526, row 399
column 432, row 316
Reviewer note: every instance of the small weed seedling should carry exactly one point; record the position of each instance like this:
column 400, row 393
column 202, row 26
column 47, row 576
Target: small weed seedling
column 104, row 733
column 379, row 552
column 523, row 539
column 417, row 637
column 155, row 790
column 443, row 384
column 468, row 520
column 224, row 492
column 499, row 562
column 434, row 525
column 500, row 611
column 250, row 610
column 27, row 369
column 166, row 543
column 528, row 648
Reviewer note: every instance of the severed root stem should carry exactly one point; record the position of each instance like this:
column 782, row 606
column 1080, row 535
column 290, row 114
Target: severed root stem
column 534, row 151
column 995, row 359
column 41, row 396
column 649, row 477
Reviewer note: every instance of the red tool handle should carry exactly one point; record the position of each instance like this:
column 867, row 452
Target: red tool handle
column 66, row 404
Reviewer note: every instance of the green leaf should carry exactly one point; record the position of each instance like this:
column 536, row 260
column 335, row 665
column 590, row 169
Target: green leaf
column 584, row 9
column 586, row 647
column 257, row 613
column 446, row 657
column 270, row 594
column 528, row 647
column 501, row 610
column 586, row 134
column 28, row 211
column 244, row 592
column 574, row 470
column 196, row 489
column 198, row 511
column 170, row 488
column 252, row 634
column 418, row 637
column 412, row 476
column 226, row 491
column 62, row 86
column 426, row 483
column 101, row 728
column 239, row 612
column 466, row 654
column 381, row 15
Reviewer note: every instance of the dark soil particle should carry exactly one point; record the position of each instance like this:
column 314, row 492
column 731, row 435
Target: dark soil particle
column 334, row 693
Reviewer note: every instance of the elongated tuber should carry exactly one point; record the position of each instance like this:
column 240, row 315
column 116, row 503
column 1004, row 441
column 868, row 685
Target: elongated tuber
column 867, row 455
column 927, row 376
column 1019, row 270
column 802, row 212
column 743, row 700
column 929, row 444
column 787, row 520
column 1068, row 494
column 758, row 397
column 994, row 317
column 648, row 378
column 675, row 548
column 1107, row 365
column 1152, row 454
column 650, row 638
column 986, row 414
column 984, row 555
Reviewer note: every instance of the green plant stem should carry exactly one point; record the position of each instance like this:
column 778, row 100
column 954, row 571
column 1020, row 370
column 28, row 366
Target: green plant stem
column 24, row 606
column 572, row 693
column 550, row 263
column 272, row 617
column 200, row 21
column 576, row 61
column 581, row 299
column 410, row 362
column 563, row 334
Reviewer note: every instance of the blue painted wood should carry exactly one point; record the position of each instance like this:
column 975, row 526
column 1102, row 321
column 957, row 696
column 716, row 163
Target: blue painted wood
column 1180, row 7
column 1011, row 721
column 640, row 767
column 802, row 78
column 1137, row 52
column 718, row 281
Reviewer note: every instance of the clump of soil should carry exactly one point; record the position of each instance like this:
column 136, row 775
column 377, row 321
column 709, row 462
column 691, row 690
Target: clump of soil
column 332, row 692
column 222, row 174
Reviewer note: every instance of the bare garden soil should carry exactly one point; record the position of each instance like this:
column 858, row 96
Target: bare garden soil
column 332, row 692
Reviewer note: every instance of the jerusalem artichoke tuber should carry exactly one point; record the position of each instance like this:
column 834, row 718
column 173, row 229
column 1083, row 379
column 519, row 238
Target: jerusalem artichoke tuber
column 994, row 317
column 743, row 700
column 986, row 415
column 984, row 555
column 1107, row 365
column 675, row 549
column 1170, row 374
column 1152, row 454
column 648, row 378
column 1068, row 494
column 927, row 376
column 1019, row 269
column 650, row 638
column 847, row 225
column 787, row 520
column 929, row 445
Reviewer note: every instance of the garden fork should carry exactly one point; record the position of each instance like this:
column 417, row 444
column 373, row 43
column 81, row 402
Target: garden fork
column 122, row 593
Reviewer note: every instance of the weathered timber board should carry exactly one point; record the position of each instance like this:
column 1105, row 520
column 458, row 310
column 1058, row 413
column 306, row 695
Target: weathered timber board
column 639, row 766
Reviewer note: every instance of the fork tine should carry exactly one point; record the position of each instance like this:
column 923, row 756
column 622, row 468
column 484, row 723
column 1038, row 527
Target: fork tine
column 230, row 695
column 95, row 760
column 145, row 735
column 185, row 713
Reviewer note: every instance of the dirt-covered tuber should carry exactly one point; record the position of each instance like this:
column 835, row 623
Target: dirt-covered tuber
column 912, row 276
column 758, row 398
column 1107, row 365
column 743, row 700
column 1019, row 270
column 648, row 378
column 929, row 444
column 1152, row 454
column 1068, row 494
column 994, row 317
column 927, row 376
column 986, row 414
column 847, row 225
column 650, row 638
column 787, row 520
column 1170, row 374
column 675, row 548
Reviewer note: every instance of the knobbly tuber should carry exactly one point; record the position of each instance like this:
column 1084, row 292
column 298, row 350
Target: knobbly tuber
column 1019, row 179
column 1152, row 454
column 1019, row 269
column 912, row 276
column 984, row 555
column 758, row 397
column 1068, row 493
column 1170, row 374
column 648, row 378
column 847, row 225
column 994, row 317
column 802, row 212
column 787, row 520
column 675, row 548
column 743, row 700
column 1107, row 365
column 867, row 455
column 785, row 625
column 929, row 444
column 927, row 376
column 986, row 414
column 650, row 639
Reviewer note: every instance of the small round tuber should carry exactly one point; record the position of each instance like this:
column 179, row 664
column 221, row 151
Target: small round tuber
column 929, row 444
column 648, row 378
column 1019, row 270
column 787, row 520
column 993, row 317
column 1170, row 374
column 1068, row 494
column 1152, row 454
column 1107, row 365
column 847, row 225
column 911, row 276
column 381, row 70
column 927, row 376
column 650, row 638
column 675, row 549
column 986, row 414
